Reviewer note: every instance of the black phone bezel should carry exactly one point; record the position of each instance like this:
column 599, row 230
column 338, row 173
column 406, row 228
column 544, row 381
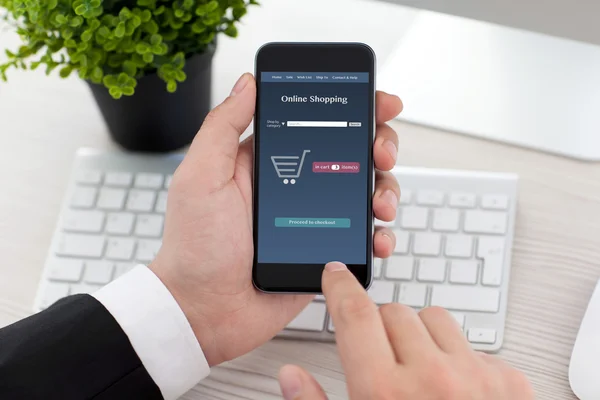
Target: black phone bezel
column 311, row 57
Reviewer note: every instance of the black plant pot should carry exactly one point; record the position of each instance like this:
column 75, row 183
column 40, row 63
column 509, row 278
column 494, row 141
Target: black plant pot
column 154, row 120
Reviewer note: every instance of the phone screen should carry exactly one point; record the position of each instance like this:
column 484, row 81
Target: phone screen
column 313, row 182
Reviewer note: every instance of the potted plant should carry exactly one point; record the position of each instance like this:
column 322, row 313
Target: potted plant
column 147, row 62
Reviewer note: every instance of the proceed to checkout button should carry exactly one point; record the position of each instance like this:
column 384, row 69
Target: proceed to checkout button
column 312, row 222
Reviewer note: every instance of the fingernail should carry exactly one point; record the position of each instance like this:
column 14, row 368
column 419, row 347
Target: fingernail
column 391, row 148
column 240, row 84
column 390, row 197
column 291, row 382
column 335, row 266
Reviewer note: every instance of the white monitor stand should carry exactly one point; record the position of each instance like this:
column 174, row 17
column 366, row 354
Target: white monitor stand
column 498, row 83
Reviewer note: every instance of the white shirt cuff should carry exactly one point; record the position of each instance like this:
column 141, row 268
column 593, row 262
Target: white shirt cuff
column 157, row 329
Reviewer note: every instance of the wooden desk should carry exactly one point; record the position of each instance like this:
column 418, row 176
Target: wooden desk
column 556, row 251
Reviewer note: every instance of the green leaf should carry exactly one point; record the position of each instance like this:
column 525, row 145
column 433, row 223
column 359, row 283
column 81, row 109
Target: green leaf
column 130, row 68
column 180, row 76
column 65, row 71
column 76, row 21
column 212, row 5
column 97, row 75
column 151, row 27
column 231, row 31
column 109, row 80
column 142, row 48
column 155, row 39
column 115, row 92
column 148, row 57
column 171, row 86
column 60, row 19
column 238, row 13
column 122, row 79
column 86, row 36
column 128, row 91
column 81, row 9
column 120, row 30
column 52, row 4
column 9, row 53
column 125, row 14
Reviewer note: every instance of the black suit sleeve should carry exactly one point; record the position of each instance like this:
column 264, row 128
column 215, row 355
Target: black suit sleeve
column 74, row 350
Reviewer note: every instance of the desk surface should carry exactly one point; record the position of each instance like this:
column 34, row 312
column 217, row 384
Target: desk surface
column 556, row 251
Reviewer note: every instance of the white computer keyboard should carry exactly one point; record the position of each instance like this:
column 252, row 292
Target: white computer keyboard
column 454, row 240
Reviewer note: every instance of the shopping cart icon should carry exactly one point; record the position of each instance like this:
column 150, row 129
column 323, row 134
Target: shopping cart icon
column 289, row 167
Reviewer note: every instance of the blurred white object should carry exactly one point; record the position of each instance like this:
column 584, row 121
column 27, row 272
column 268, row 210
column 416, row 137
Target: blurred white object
column 498, row 83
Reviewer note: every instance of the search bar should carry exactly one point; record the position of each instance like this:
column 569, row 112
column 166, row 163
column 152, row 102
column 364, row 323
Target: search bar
column 317, row 124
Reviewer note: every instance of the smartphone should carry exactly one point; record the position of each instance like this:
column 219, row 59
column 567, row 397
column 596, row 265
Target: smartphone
column 313, row 166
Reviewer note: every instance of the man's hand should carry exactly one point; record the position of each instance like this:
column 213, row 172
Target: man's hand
column 206, row 257
column 394, row 353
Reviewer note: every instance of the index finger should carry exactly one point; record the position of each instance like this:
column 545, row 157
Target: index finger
column 360, row 335
column 388, row 106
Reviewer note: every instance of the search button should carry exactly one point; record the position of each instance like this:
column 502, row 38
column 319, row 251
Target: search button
column 312, row 222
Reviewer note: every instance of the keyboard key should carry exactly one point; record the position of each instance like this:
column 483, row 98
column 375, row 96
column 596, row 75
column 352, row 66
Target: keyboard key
column 388, row 224
column 412, row 294
column 119, row 223
column 83, row 288
column 148, row 181
column 446, row 220
column 400, row 267
column 427, row 244
column 330, row 326
column 381, row 292
column 459, row 246
column 414, row 217
column 119, row 248
column 119, row 179
column 168, row 180
column 491, row 250
column 123, row 268
column 430, row 198
column 161, row 202
column 466, row 298
column 98, row 272
column 478, row 335
column 76, row 245
column 65, row 269
column 377, row 263
column 432, row 270
column 53, row 291
column 312, row 318
column 464, row 271
column 494, row 202
column 462, row 200
column 402, row 241
column 83, row 221
column 149, row 225
column 89, row 177
column 111, row 199
column 141, row 200
column 84, row 197
column 405, row 196
column 491, row 222
column 147, row 250
column 460, row 319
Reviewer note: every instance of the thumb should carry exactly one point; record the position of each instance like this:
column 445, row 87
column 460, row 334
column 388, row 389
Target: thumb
column 214, row 149
column 297, row 384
